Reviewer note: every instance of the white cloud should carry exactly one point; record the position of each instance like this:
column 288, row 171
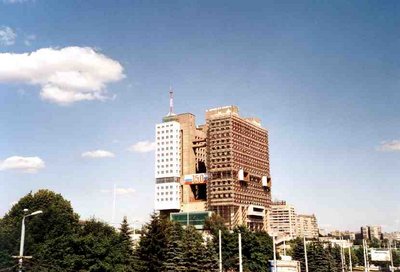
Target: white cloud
column 65, row 75
column 7, row 36
column 120, row 191
column 24, row 164
column 98, row 154
column 390, row 146
column 28, row 39
column 143, row 147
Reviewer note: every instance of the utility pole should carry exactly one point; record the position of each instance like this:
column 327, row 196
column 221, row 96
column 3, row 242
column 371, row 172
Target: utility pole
column 240, row 253
column 350, row 261
column 365, row 259
column 342, row 258
column 274, row 247
column 220, row 250
column 365, row 249
column 305, row 252
column 391, row 257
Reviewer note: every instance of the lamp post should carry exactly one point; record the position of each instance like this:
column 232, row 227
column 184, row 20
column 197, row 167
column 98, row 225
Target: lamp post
column 220, row 250
column 21, row 246
column 240, row 252
column 305, row 252
column 274, row 251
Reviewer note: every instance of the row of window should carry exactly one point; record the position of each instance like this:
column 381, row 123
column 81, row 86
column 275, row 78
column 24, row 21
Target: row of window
column 166, row 131
column 167, row 199
column 168, row 160
column 162, row 187
column 167, row 172
column 166, row 166
column 168, row 148
column 168, row 193
column 167, row 137
column 166, row 154
column 166, row 142
column 217, row 123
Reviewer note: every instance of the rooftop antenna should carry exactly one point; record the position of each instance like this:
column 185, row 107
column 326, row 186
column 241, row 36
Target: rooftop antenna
column 171, row 101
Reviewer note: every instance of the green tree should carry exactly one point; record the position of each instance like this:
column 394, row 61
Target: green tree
column 257, row 248
column 58, row 241
column 152, row 249
column 48, row 236
column 174, row 260
column 192, row 249
column 126, row 244
column 320, row 259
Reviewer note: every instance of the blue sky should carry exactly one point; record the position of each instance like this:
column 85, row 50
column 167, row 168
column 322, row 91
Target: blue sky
column 322, row 75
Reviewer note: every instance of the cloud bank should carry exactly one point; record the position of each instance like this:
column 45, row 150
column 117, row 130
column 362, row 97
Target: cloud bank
column 143, row 147
column 390, row 146
column 23, row 164
column 98, row 154
column 65, row 75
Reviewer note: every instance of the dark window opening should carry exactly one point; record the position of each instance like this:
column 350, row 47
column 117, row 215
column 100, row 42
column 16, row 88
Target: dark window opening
column 201, row 167
column 199, row 191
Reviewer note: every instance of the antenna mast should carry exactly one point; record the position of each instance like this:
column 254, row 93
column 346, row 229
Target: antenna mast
column 171, row 102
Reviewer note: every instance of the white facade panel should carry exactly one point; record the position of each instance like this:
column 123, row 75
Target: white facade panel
column 167, row 196
column 168, row 143
column 168, row 166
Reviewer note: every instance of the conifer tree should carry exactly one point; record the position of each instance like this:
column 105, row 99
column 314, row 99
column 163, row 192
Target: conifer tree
column 127, row 246
column 174, row 257
column 192, row 249
column 152, row 246
column 209, row 257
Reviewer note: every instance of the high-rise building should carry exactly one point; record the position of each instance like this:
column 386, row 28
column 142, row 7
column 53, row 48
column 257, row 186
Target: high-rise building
column 364, row 233
column 375, row 232
column 283, row 220
column 307, row 226
column 238, row 167
column 371, row 232
column 222, row 167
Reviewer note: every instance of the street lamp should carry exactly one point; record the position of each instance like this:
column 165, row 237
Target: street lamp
column 21, row 246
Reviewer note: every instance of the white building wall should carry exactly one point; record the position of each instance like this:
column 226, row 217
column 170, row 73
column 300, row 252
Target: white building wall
column 167, row 161
column 167, row 196
column 167, row 166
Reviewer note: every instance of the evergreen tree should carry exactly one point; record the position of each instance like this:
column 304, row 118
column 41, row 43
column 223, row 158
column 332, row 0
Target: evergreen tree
column 152, row 246
column 320, row 259
column 127, row 246
column 192, row 249
column 125, row 231
column 297, row 252
column 174, row 260
column 209, row 257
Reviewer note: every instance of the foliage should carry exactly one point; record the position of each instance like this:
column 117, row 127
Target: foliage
column 320, row 258
column 257, row 247
column 152, row 249
column 58, row 241
column 167, row 246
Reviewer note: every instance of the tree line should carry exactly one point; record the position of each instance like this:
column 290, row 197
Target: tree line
column 59, row 241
